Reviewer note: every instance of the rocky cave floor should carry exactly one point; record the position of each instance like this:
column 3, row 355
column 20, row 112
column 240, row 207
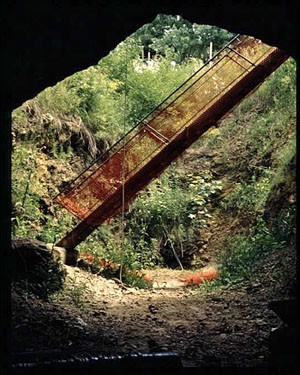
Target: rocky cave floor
column 228, row 326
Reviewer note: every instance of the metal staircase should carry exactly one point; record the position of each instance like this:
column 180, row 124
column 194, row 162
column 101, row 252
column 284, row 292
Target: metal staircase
column 114, row 179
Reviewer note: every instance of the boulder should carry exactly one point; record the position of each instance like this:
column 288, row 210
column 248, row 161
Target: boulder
column 36, row 267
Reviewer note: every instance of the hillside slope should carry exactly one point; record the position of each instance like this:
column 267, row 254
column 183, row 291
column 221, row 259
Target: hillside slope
column 229, row 200
column 234, row 179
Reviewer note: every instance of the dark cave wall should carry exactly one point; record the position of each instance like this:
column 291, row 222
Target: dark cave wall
column 49, row 40
column 46, row 41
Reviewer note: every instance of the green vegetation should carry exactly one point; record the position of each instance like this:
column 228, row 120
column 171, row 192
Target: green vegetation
column 259, row 161
column 250, row 181
column 178, row 39
column 78, row 293
column 244, row 250
column 169, row 215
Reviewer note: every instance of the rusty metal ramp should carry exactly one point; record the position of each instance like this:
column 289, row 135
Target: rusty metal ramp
column 114, row 179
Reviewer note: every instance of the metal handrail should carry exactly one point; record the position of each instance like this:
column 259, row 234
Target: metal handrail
column 148, row 115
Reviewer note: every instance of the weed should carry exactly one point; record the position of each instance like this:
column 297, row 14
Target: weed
column 249, row 198
column 243, row 251
column 283, row 226
column 170, row 214
column 137, row 280
column 78, row 292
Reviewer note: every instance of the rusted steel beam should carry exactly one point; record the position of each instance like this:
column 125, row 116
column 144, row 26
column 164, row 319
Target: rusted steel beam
column 210, row 117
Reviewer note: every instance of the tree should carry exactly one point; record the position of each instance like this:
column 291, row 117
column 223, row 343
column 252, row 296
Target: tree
column 179, row 39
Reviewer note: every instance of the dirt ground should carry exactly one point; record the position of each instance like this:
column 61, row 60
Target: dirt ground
column 95, row 316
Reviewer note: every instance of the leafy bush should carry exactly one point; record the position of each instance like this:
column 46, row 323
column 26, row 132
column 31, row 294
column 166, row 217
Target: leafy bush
column 283, row 226
column 179, row 39
column 124, row 267
column 168, row 216
column 250, row 139
column 77, row 292
column 136, row 280
column 249, row 198
column 243, row 251
column 33, row 215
